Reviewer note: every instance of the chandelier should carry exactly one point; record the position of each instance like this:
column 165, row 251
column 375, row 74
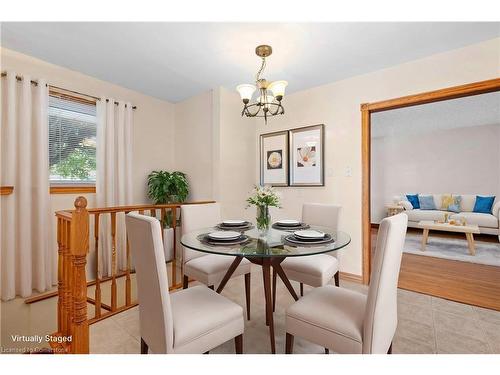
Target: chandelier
column 270, row 94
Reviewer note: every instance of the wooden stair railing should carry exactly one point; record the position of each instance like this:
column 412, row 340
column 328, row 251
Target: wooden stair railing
column 73, row 247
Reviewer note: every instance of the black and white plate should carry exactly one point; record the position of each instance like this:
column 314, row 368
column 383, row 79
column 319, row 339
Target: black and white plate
column 288, row 223
column 234, row 223
column 290, row 228
column 309, row 234
column 245, row 225
column 300, row 241
column 224, row 235
column 238, row 241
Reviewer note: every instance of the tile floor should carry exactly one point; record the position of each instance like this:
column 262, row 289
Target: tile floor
column 426, row 325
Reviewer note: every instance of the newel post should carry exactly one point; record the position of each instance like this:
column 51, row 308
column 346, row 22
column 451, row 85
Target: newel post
column 79, row 248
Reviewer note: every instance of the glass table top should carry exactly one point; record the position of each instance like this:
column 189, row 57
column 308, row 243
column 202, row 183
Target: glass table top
column 273, row 244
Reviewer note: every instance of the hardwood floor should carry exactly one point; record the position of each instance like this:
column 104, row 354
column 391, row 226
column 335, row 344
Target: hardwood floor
column 474, row 284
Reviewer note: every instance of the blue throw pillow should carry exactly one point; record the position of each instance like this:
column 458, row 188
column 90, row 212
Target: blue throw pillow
column 457, row 204
column 413, row 199
column 483, row 204
column 426, row 202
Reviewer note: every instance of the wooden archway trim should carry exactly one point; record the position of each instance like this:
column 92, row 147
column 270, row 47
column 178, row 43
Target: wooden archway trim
column 470, row 89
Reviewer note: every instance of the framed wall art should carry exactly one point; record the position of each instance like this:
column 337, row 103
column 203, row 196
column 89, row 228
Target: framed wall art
column 307, row 157
column 274, row 159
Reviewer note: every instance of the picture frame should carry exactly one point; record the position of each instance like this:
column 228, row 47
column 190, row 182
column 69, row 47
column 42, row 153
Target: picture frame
column 274, row 160
column 307, row 156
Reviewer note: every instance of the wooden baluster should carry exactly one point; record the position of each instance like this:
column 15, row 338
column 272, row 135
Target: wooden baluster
column 113, row 261
column 97, row 305
column 128, row 281
column 141, row 212
column 152, row 212
column 60, row 280
column 68, row 299
column 163, row 219
column 174, row 260
column 79, row 247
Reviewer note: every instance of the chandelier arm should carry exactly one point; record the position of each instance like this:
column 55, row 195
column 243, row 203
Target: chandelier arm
column 250, row 114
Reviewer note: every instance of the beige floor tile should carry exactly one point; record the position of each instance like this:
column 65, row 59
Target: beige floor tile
column 405, row 345
column 416, row 331
column 444, row 321
column 452, row 307
column 129, row 321
column 421, row 314
column 107, row 337
column 409, row 297
column 487, row 315
column 492, row 334
column 454, row 343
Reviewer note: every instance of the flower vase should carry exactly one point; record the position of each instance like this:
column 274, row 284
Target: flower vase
column 263, row 220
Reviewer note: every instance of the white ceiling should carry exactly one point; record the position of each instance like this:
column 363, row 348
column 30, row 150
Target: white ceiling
column 478, row 110
column 174, row 61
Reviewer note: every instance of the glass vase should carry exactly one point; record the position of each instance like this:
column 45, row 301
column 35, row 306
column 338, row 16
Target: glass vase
column 263, row 220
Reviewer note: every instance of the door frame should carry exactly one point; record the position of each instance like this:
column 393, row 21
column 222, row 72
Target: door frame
column 454, row 92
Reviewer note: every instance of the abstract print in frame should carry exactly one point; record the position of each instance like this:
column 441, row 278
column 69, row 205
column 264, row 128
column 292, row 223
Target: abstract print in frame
column 274, row 159
column 307, row 156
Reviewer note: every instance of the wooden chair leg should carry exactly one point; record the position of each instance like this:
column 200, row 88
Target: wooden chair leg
column 238, row 344
column 302, row 289
column 247, row 293
column 336, row 277
column 275, row 276
column 327, row 351
column 144, row 347
column 289, row 344
column 211, row 287
column 185, row 282
column 389, row 351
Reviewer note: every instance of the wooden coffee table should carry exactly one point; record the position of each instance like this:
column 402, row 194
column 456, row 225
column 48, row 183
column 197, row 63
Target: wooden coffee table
column 468, row 230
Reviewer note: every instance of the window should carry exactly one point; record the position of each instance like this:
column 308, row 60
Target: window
column 72, row 141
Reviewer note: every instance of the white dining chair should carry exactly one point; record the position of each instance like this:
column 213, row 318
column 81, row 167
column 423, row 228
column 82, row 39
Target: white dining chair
column 314, row 270
column 351, row 322
column 195, row 320
column 208, row 269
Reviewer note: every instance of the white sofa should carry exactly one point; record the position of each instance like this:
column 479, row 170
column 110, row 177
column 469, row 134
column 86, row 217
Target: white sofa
column 488, row 223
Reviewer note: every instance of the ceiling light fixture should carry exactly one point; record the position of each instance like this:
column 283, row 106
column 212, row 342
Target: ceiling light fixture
column 268, row 103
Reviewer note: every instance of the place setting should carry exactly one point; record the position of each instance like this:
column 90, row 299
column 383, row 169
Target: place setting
column 290, row 225
column 224, row 238
column 309, row 237
column 234, row 225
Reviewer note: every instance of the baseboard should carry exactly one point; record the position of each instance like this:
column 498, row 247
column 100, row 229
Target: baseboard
column 351, row 277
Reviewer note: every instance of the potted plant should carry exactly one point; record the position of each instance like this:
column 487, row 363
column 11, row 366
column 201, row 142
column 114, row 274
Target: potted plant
column 163, row 188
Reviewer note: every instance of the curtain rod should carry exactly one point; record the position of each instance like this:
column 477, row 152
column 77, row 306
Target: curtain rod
column 20, row 78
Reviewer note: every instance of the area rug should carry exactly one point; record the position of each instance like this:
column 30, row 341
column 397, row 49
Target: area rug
column 455, row 249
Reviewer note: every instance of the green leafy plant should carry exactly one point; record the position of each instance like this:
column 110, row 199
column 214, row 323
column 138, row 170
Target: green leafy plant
column 78, row 164
column 167, row 187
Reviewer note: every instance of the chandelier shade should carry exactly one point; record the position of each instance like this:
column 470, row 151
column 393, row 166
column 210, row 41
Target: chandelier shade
column 268, row 102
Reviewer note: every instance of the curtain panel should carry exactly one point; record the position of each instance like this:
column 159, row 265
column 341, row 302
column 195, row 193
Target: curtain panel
column 27, row 260
column 114, row 177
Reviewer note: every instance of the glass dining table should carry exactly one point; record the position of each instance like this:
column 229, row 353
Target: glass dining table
column 266, row 250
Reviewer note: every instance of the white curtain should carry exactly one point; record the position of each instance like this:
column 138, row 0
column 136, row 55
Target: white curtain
column 114, row 175
column 27, row 261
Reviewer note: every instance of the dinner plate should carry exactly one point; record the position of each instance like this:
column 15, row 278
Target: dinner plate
column 234, row 223
column 299, row 241
column 288, row 223
column 309, row 234
column 226, row 235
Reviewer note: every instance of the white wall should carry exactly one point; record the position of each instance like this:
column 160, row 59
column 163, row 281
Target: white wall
column 463, row 161
column 337, row 105
column 193, row 149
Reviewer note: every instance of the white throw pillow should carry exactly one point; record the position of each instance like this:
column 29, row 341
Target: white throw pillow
column 406, row 205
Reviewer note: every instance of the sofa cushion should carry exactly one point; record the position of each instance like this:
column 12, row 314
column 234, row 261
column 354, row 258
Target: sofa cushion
column 446, row 201
column 475, row 218
column 468, row 201
column 426, row 202
column 419, row 215
column 413, row 199
column 483, row 204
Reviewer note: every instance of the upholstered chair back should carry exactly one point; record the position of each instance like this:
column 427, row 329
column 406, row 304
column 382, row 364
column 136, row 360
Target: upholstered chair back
column 156, row 323
column 324, row 215
column 381, row 315
column 197, row 216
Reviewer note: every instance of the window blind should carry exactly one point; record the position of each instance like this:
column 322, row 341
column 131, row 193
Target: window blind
column 72, row 141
